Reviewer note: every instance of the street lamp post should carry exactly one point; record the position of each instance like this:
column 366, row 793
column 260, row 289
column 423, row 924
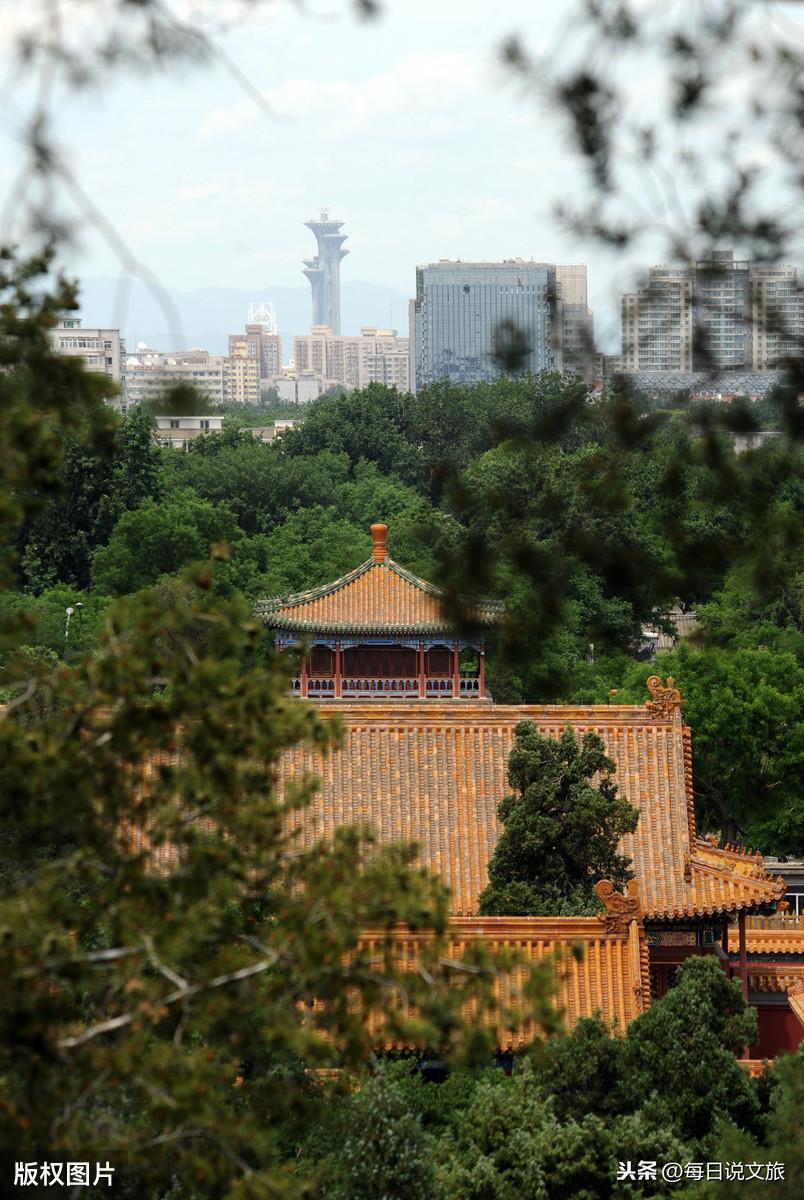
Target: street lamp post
column 69, row 612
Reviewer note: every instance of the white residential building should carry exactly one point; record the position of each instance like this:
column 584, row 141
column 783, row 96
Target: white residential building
column 294, row 388
column 149, row 374
column 103, row 350
column 180, row 431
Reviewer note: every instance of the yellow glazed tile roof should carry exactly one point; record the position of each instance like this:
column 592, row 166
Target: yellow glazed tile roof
column 796, row 998
column 776, row 977
column 434, row 773
column 610, row 977
column 378, row 598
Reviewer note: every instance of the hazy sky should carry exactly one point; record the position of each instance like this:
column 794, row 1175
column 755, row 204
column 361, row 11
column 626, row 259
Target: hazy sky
column 407, row 128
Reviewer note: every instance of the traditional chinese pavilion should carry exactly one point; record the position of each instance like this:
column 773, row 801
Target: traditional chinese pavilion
column 384, row 656
column 381, row 633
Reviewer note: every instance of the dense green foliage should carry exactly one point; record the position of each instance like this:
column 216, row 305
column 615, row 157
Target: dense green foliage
column 167, row 1020
column 587, row 516
column 590, row 516
column 667, row 1089
column 745, row 705
column 560, row 831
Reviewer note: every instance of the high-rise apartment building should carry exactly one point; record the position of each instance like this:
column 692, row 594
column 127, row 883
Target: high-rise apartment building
column 242, row 380
column 721, row 296
column 324, row 271
column 574, row 327
column 259, row 341
column 718, row 314
column 103, row 350
column 572, row 283
column 383, row 358
column 332, row 357
column 657, row 323
column 354, row 361
column 777, row 311
column 460, row 307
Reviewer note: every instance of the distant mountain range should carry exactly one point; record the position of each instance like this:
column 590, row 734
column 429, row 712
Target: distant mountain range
column 174, row 320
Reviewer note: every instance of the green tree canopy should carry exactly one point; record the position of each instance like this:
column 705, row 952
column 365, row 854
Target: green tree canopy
column 560, row 832
column 313, row 546
column 159, row 539
column 367, row 423
column 511, row 1145
column 46, row 616
column 174, row 960
column 744, row 707
column 97, row 486
column 681, row 1055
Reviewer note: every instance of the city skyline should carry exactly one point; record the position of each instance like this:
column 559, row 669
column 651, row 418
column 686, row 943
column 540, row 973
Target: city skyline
column 568, row 335
column 409, row 123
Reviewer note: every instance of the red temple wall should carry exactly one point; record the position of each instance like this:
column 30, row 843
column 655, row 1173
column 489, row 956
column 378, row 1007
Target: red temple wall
column 780, row 1031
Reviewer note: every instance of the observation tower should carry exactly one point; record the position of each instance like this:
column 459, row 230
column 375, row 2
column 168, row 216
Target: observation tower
column 324, row 271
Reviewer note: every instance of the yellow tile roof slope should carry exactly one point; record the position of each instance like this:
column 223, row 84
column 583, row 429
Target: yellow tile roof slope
column 378, row 598
column 778, row 977
column 610, row 977
column 795, row 997
column 434, row 773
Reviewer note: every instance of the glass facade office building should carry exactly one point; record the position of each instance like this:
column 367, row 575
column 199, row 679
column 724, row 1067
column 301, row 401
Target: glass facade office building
column 460, row 306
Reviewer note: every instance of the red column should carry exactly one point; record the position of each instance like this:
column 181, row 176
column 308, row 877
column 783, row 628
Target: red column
column 456, row 669
column 422, row 679
column 338, row 670
column 305, row 675
column 743, row 964
column 481, row 654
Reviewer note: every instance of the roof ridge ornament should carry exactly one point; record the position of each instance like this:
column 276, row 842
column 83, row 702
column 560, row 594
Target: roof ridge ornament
column 665, row 700
column 379, row 542
column 621, row 909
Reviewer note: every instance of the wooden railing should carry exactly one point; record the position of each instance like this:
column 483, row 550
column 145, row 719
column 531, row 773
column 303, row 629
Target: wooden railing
column 320, row 686
column 323, row 686
column 439, row 687
column 779, row 920
column 407, row 686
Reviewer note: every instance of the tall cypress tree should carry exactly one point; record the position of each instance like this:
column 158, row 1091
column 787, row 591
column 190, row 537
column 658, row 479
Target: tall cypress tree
column 561, row 829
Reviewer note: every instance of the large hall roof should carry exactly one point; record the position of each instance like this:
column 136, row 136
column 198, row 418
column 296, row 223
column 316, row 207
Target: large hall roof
column 433, row 773
column 600, row 964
